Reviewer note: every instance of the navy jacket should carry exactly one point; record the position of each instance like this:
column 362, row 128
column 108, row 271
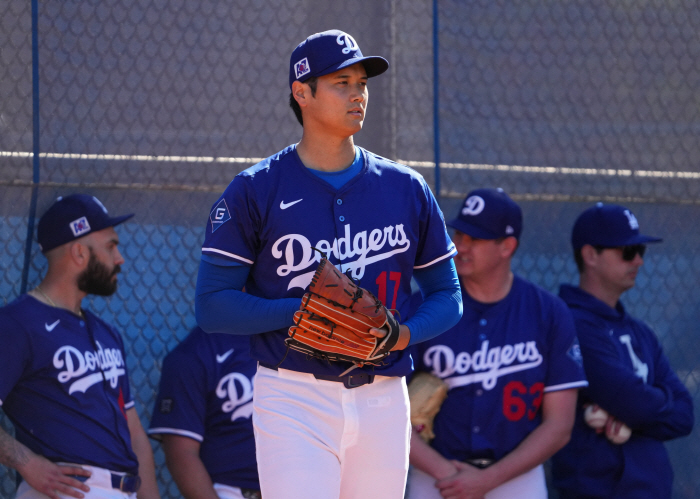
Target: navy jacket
column 630, row 377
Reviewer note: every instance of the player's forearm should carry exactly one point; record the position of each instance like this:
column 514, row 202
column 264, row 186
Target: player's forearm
column 428, row 460
column 147, row 470
column 235, row 312
column 13, row 454
column 442, row 307
column 144, row 453
column 537, row 448
column 221, row 306
column 675, row 422
column 551, row 435
column 187, row 468
column 628, row 398
column 192, row 479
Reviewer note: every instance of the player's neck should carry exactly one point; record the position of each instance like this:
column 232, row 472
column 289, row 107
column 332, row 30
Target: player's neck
column 597, row 289
column 57, row 294
column 491, row 288
column 326, row 154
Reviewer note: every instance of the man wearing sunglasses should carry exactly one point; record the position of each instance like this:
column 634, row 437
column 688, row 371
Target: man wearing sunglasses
column 628, row 374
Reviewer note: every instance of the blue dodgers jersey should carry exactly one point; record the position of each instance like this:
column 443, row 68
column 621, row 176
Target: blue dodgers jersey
column 64, row 385
column 631, row 378
column 206, row 393
column 379, row 226
column 499, row 361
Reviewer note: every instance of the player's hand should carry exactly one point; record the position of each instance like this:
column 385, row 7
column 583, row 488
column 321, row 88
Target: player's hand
column 608, row 423
column 468, row 483
column 404, row 336
column 50, row 478
column 444, row 469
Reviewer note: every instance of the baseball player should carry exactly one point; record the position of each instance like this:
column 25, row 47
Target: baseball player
column 322, row 432
column 512, row 365
column 63, row 377
column 203, row 414
column 629, row 375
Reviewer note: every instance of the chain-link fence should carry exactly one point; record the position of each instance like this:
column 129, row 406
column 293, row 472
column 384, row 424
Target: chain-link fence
column 154, row 106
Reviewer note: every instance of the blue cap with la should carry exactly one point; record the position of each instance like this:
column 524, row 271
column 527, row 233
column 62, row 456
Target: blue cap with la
column 608, row 225
column 326, row 52
column 72, row 217
column 489, row 214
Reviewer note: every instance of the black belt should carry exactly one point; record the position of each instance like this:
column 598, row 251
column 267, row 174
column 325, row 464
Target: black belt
column 360, row 378
column 250, row 493
column 126, row 483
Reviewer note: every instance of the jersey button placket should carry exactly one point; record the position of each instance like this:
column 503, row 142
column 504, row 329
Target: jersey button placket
column 482, row 335
column 339, row 202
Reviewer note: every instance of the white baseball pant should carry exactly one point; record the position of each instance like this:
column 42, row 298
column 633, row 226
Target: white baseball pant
column 228, row 492
column 316, row 439
column 100, row 484
column 530, row 485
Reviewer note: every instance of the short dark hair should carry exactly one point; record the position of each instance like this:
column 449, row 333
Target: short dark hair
column 311, row 82
column 578, row 258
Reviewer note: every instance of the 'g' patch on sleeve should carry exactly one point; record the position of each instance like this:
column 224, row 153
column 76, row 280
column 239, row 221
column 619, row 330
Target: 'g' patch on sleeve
column 219, row 215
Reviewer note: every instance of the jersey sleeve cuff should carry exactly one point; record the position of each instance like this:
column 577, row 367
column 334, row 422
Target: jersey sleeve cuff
column 566, row 386
column 159, row 431
column 218, row 252
column 452, row 252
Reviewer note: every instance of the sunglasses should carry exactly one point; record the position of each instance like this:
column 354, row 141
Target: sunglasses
column 628, row 252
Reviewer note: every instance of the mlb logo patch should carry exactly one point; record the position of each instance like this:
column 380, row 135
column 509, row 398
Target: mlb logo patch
column 302, row 67
column 219, row 215
column 80, row 226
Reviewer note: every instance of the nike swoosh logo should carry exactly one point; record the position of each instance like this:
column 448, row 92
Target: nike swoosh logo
column 223, row 356
column 50, row 327
column 284, row 206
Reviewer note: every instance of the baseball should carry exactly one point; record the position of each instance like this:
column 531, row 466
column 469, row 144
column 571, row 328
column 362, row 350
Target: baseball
column 595, row 416
column 619, row 433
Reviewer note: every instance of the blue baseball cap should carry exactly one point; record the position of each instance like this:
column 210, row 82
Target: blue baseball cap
column 328, row 51
column 71, row 218
column 489, row 214
column 608, row 225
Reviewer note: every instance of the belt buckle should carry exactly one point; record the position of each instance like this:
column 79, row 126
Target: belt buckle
column 480, row 462
column 129, row 483
column 364, row 379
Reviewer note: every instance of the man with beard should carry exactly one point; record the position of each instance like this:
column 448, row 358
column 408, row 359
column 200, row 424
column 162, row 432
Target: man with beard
column 63, row 377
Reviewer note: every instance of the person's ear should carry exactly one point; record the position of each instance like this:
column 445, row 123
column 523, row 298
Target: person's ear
column 79, row 253
column 301, row 93
column 509, row 245
column 589, row 255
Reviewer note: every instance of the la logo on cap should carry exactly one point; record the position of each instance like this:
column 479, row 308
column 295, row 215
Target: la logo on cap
column 634, row 225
